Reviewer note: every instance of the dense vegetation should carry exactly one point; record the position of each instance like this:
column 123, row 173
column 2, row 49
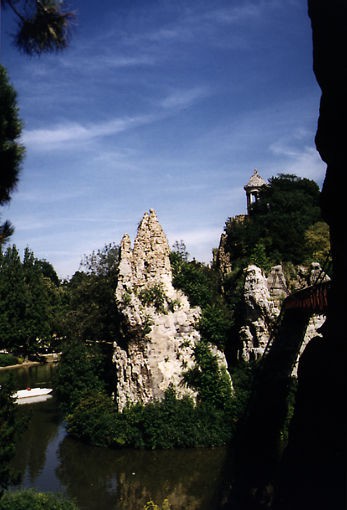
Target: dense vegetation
column 8, row 430
column 285, row 225
column 33, row 500
column 29, row 303
column 90, row 311
column 11, row 150
column 92, row 416
column 79, row 317
column 24, row 286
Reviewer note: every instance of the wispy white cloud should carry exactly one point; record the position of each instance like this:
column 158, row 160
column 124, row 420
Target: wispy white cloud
column 179, row 99
column 106, row 62
column 72, row 132
column 301, row 160
column 47, row 196
column 236, row 14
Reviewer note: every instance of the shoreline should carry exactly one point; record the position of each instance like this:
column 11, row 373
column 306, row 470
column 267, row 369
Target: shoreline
column 29, row 364
column 24, row 364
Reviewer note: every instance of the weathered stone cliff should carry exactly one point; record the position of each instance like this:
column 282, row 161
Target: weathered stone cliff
column 159, row 325
column 313, row 474
column 262, row 298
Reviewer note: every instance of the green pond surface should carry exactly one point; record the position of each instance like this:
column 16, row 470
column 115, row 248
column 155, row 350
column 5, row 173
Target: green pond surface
column 98, row 478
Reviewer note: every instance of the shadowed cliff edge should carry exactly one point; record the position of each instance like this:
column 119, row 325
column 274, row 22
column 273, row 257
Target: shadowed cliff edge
column 311, row 472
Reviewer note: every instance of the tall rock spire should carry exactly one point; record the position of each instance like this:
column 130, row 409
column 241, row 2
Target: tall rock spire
column 159, row 325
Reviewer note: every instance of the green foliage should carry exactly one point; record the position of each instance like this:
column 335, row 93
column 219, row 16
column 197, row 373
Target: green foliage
column 11, row 150
column 215, row 323
column 94, row 419
column 212, row 382
column 259, row 258
column 7, row 360
column 282, row 214
column 90, row 307
column 153, row 296
column 178, row 256
column 150, row 505
column 79, row 372
column 169, row 423
column 48, row 271
column 43, row 26
column 202, row 285
column 317, row 241
column 30, row 499
column 29, row 303
column 243, row 374
column 199, row 283
column 8, row 432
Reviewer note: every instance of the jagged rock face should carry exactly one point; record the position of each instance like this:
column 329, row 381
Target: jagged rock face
column 260, row 314
column 159, row 324
column 263, row 297
column 222, row 257
column 277, row 285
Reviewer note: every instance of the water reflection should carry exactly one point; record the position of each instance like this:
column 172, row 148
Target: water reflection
column 109, row 479
column 33, row 448
column 127, row 479
column 26, row 376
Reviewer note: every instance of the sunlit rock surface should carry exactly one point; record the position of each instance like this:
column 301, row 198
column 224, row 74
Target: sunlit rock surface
column 159, row 325
column 263, row 296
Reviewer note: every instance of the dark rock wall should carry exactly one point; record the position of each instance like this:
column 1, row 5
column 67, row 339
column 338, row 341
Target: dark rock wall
column 313, row 472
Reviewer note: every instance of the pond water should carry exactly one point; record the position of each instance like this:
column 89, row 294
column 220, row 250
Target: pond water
column 99, row 478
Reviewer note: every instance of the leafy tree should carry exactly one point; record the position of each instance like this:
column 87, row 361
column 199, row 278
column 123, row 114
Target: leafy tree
column 199, row 282
column 79, row 372
column 11, row 150
column 12, row 299
column 283, row 212
column 259, row 257
column 33, row 500
column 48, row 271
column 317, row 242
column 168, row 423
column 28, row 303
column 210, row 380
column 202, row 286
column 91, row 312
column 178, row 255
column 8, row 432
column 43, row 25
column 150, row 505
column 216, row 323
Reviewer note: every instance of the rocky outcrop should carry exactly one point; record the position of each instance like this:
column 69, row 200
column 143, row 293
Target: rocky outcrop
column 259, row 314
column 263, row 297
column 313, row 473
column 159, row 325
column 221, row 257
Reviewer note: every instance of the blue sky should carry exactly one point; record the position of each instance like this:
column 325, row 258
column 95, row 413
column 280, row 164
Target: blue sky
column 159, row 104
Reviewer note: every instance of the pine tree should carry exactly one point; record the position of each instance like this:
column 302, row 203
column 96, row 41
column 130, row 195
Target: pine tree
column 43, row 25
column 11, row 150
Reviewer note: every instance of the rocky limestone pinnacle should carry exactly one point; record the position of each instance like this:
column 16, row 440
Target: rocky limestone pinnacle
column 160, row 326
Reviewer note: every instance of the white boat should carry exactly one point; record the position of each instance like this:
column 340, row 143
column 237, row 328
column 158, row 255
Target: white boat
column 31, row 392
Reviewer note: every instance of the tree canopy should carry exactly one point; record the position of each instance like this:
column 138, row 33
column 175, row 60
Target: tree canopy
column 91, row 312
column 29, row 303
column 43, row 25
column 11, row 150
column 278, row 221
